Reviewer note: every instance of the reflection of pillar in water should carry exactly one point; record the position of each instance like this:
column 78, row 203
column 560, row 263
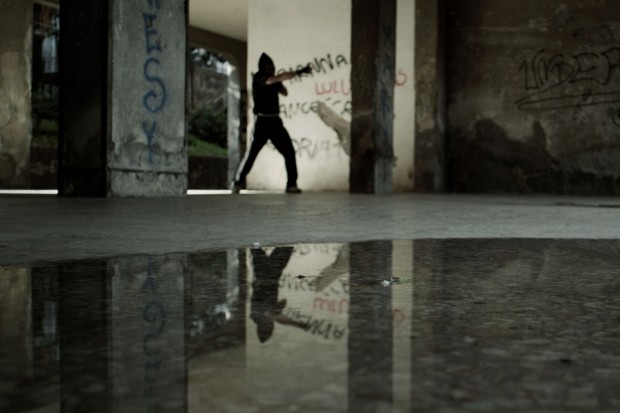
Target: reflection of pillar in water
column 428, row 328
column 83, row 328
column 370, row 327
column 122, row 335
column 148, row 367
column 15, row 326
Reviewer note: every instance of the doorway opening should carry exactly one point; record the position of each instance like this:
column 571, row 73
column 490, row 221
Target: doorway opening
column 213, row 119
column 44, row 96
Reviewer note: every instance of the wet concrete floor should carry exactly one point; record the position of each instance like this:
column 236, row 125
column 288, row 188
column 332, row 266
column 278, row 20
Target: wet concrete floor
column 428, row 325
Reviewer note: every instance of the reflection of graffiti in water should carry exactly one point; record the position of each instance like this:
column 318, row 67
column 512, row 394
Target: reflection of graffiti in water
column 561, row 82
column 335, row 306
column 331, row 276
column 316, row 326
column 154, row 315
column 329, row 290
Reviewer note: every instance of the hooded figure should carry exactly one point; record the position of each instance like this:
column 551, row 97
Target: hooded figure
column 266, row 88
column 265, row 64
column 266, row 96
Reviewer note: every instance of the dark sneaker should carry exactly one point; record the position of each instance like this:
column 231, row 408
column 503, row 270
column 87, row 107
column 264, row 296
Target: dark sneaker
column 293, row 190
column 235, row 188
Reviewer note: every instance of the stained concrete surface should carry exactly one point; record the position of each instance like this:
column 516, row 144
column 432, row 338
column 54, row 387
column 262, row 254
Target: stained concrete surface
column 433, row 325
column 47, row 228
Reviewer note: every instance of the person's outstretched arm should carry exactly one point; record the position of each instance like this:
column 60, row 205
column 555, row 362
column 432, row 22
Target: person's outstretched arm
column 287, row 75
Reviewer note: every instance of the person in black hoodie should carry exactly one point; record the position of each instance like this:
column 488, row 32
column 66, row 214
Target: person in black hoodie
column 266, row 88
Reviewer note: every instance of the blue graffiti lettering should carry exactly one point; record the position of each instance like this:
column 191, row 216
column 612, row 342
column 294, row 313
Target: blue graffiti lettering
column 150, row 135
column 150, row 33
column 155, row 99
column 153, row 3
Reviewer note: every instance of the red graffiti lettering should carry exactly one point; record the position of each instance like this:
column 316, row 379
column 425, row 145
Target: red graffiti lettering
column 399, row 317
column 401, row 77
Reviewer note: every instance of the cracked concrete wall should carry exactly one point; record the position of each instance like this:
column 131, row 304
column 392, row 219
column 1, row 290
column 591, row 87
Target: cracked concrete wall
column 534, row 97
column 15, row 120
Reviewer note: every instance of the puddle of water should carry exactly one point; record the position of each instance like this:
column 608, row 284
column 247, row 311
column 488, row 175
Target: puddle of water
column 433, row 325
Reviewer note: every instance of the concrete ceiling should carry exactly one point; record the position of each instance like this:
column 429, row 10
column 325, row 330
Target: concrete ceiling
column 225, row 17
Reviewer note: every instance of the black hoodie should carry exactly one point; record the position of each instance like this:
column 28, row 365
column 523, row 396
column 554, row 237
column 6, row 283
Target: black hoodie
column 266, row 97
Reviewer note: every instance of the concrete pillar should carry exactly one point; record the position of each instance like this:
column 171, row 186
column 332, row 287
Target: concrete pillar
column 430, row 110
column 15, row 121
column 123, row 129
column 373, row 52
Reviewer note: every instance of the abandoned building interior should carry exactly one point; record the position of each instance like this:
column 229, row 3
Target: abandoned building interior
column 454, row 249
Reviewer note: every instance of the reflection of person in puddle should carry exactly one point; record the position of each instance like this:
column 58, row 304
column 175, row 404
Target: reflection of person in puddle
column 266, row 309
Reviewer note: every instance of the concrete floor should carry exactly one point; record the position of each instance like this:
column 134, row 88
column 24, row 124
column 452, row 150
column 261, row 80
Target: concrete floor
column 399, row 303
column 47, row 228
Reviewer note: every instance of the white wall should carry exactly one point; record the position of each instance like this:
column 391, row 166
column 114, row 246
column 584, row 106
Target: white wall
column 404, row 97
column 317, row 112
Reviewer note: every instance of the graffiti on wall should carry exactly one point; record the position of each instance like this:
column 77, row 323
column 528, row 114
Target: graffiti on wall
column 320, row 65
column 335, row 92
column 556, row 81
column 343, row 86
column 154, row 100
column 331, row 101
column 306, row 148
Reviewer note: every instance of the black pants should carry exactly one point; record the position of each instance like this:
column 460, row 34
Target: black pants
column 269, row 128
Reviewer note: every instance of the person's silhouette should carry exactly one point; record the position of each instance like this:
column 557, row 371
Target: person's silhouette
column 266, row 309
column 268, row 126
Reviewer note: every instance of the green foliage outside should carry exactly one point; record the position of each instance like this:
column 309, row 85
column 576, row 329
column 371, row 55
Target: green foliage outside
column 208, row 132
column 45, row 134
column 44, row 118
column 198, row 147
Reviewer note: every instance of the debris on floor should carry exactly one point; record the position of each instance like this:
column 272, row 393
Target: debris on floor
column 393, row 280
